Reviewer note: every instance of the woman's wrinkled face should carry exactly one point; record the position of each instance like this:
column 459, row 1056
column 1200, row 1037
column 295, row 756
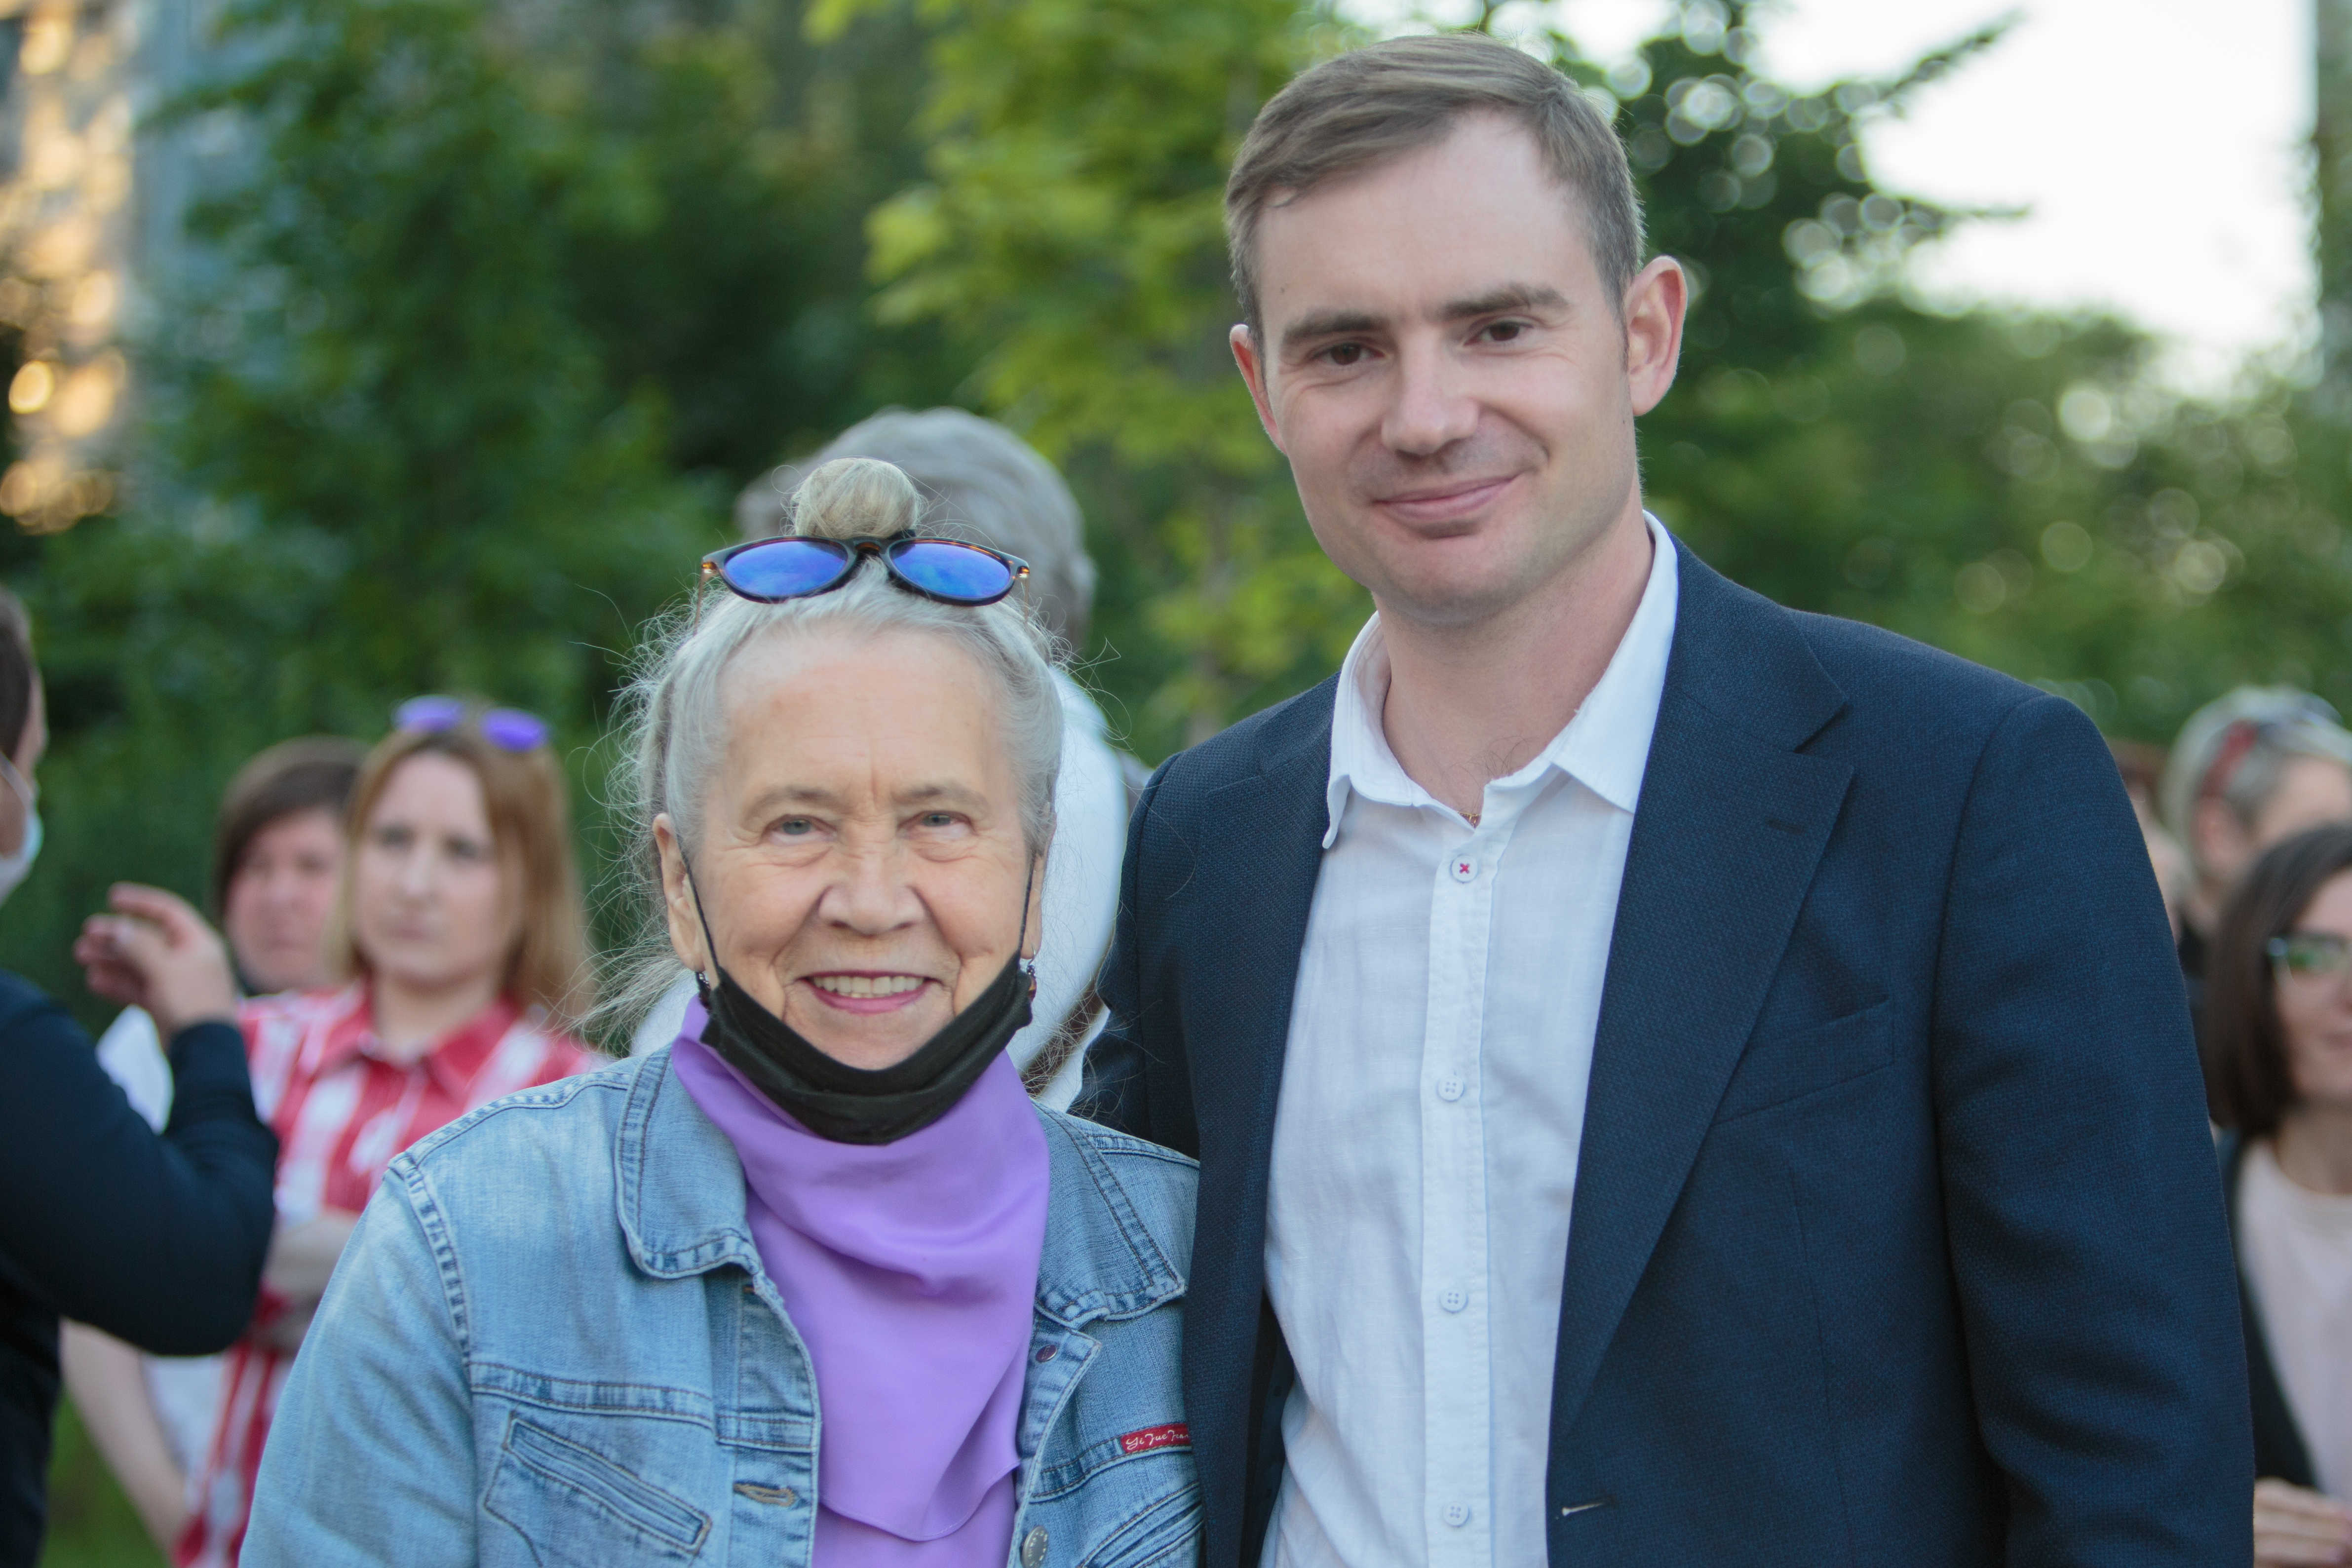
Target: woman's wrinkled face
column 279, row 896
column 860, row 858
column 435, row 907
column 2316, row 1011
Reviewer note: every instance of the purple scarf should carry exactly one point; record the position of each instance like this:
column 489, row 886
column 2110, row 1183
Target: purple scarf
column 910, row 1270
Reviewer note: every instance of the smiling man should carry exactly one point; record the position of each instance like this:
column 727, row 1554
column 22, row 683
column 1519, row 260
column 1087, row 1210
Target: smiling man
column 1676, row 1080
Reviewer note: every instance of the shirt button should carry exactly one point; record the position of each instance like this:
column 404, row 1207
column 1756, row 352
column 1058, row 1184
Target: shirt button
column 1465, row 868
column 1450, row 1089
column 1033, row 1548
column 1454, row 1299
column 1457, row 1514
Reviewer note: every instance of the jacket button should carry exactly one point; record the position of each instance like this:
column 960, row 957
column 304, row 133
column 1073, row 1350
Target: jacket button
column 1033, row 1548
column 1046, row 1352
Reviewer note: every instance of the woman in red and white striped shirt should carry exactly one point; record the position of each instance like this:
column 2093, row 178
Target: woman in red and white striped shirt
column 460, row 941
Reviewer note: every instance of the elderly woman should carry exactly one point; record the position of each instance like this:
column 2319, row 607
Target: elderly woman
column 817, row 1282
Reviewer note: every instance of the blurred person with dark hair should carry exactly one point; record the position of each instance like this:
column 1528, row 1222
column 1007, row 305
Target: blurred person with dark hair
column 2258, row 765
column 457, row 951
column 278, row 852
column 158, row 1240
column 2278, row 1064
column 982, row 484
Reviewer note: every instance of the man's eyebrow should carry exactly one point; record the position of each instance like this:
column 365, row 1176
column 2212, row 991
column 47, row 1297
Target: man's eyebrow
column 1320, row 324
column 1508, row 298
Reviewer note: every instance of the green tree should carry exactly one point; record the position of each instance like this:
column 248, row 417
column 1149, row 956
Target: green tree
column 508, row 303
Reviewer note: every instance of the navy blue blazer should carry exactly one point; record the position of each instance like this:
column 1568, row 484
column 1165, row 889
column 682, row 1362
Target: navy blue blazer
column 1897, row 1236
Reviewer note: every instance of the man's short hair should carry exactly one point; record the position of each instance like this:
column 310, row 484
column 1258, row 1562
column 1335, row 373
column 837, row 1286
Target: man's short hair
column 979, row 482
column 2235, row 749
column 1379, row 103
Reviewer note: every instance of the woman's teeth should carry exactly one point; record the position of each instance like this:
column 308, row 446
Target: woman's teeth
column 867, row 985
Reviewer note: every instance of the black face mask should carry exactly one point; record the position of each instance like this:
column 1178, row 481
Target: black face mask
column 850, row 1105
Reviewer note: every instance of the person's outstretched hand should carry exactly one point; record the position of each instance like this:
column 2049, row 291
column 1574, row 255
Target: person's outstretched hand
column 2293, row 1525
column 155, row 952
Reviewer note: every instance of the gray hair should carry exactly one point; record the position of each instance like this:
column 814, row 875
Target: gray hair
column 979, row 482
column 675, row 715
column 2271, row 726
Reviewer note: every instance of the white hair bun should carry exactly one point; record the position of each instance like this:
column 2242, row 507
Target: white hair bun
column 856, row 497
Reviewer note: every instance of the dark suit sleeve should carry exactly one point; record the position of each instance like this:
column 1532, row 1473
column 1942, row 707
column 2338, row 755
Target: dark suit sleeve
column 1116, row 1089
column 157, row 1239
column 2088, row 1239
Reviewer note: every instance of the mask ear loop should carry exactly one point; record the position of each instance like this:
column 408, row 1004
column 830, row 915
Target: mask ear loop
column 709, row 943
column 1020, row 937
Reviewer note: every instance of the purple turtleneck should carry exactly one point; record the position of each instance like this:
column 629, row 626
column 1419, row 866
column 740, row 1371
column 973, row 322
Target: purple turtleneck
column 910, row 1271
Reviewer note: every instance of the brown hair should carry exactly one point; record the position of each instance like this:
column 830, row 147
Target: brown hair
column 2246, row 1075
column 1381, row 102
column 531, row 824
column 312, row 774
column 17, row 673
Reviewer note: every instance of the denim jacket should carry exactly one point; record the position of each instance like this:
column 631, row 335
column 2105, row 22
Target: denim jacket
column 551, row 1342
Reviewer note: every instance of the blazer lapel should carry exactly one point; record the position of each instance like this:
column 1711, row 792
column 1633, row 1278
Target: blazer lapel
column 1731, row 823
column 1254, row 889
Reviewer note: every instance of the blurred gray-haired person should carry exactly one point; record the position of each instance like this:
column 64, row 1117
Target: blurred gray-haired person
column 2250, row 768
column 984, row 483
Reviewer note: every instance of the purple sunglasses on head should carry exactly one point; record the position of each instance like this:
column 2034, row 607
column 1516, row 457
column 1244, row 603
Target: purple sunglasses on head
column 507, row 728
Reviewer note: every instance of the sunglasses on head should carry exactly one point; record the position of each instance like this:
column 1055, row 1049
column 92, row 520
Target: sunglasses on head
column 770, row 571
column 507, row 728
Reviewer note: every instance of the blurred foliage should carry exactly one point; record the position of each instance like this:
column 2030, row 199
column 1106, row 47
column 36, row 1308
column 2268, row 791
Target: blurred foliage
column 2016, row 488
column 514, row 299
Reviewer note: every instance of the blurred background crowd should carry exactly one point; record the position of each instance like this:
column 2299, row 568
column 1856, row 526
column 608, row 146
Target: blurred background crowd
column 356, row 351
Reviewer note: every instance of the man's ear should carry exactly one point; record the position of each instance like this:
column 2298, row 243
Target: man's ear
column 1655, row 303
column 1253, row 369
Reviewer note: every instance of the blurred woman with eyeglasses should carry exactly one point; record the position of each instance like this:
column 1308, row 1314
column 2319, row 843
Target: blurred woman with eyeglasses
column 2278, row 1066
column 458, row 952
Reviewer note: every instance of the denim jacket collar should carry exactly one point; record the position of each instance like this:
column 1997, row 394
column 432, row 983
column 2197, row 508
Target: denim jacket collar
column 680, row 1192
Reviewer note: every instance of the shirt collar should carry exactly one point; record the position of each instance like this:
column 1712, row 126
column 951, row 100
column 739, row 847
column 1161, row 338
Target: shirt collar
column 455, row 1059
column 1605, row 745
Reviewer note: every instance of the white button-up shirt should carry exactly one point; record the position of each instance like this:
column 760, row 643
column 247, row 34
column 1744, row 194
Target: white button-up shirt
column 1432, row 1105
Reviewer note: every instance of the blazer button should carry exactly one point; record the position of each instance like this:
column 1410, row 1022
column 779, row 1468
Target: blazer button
column 1033, row 1548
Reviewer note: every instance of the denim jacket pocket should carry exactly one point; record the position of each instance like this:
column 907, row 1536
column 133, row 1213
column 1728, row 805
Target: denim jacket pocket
column 1166, row 1533
column 574, row 1506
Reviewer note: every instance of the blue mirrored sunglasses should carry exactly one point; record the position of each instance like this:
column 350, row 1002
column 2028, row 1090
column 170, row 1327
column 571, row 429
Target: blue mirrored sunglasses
column 507, row 728
column 948, row 570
